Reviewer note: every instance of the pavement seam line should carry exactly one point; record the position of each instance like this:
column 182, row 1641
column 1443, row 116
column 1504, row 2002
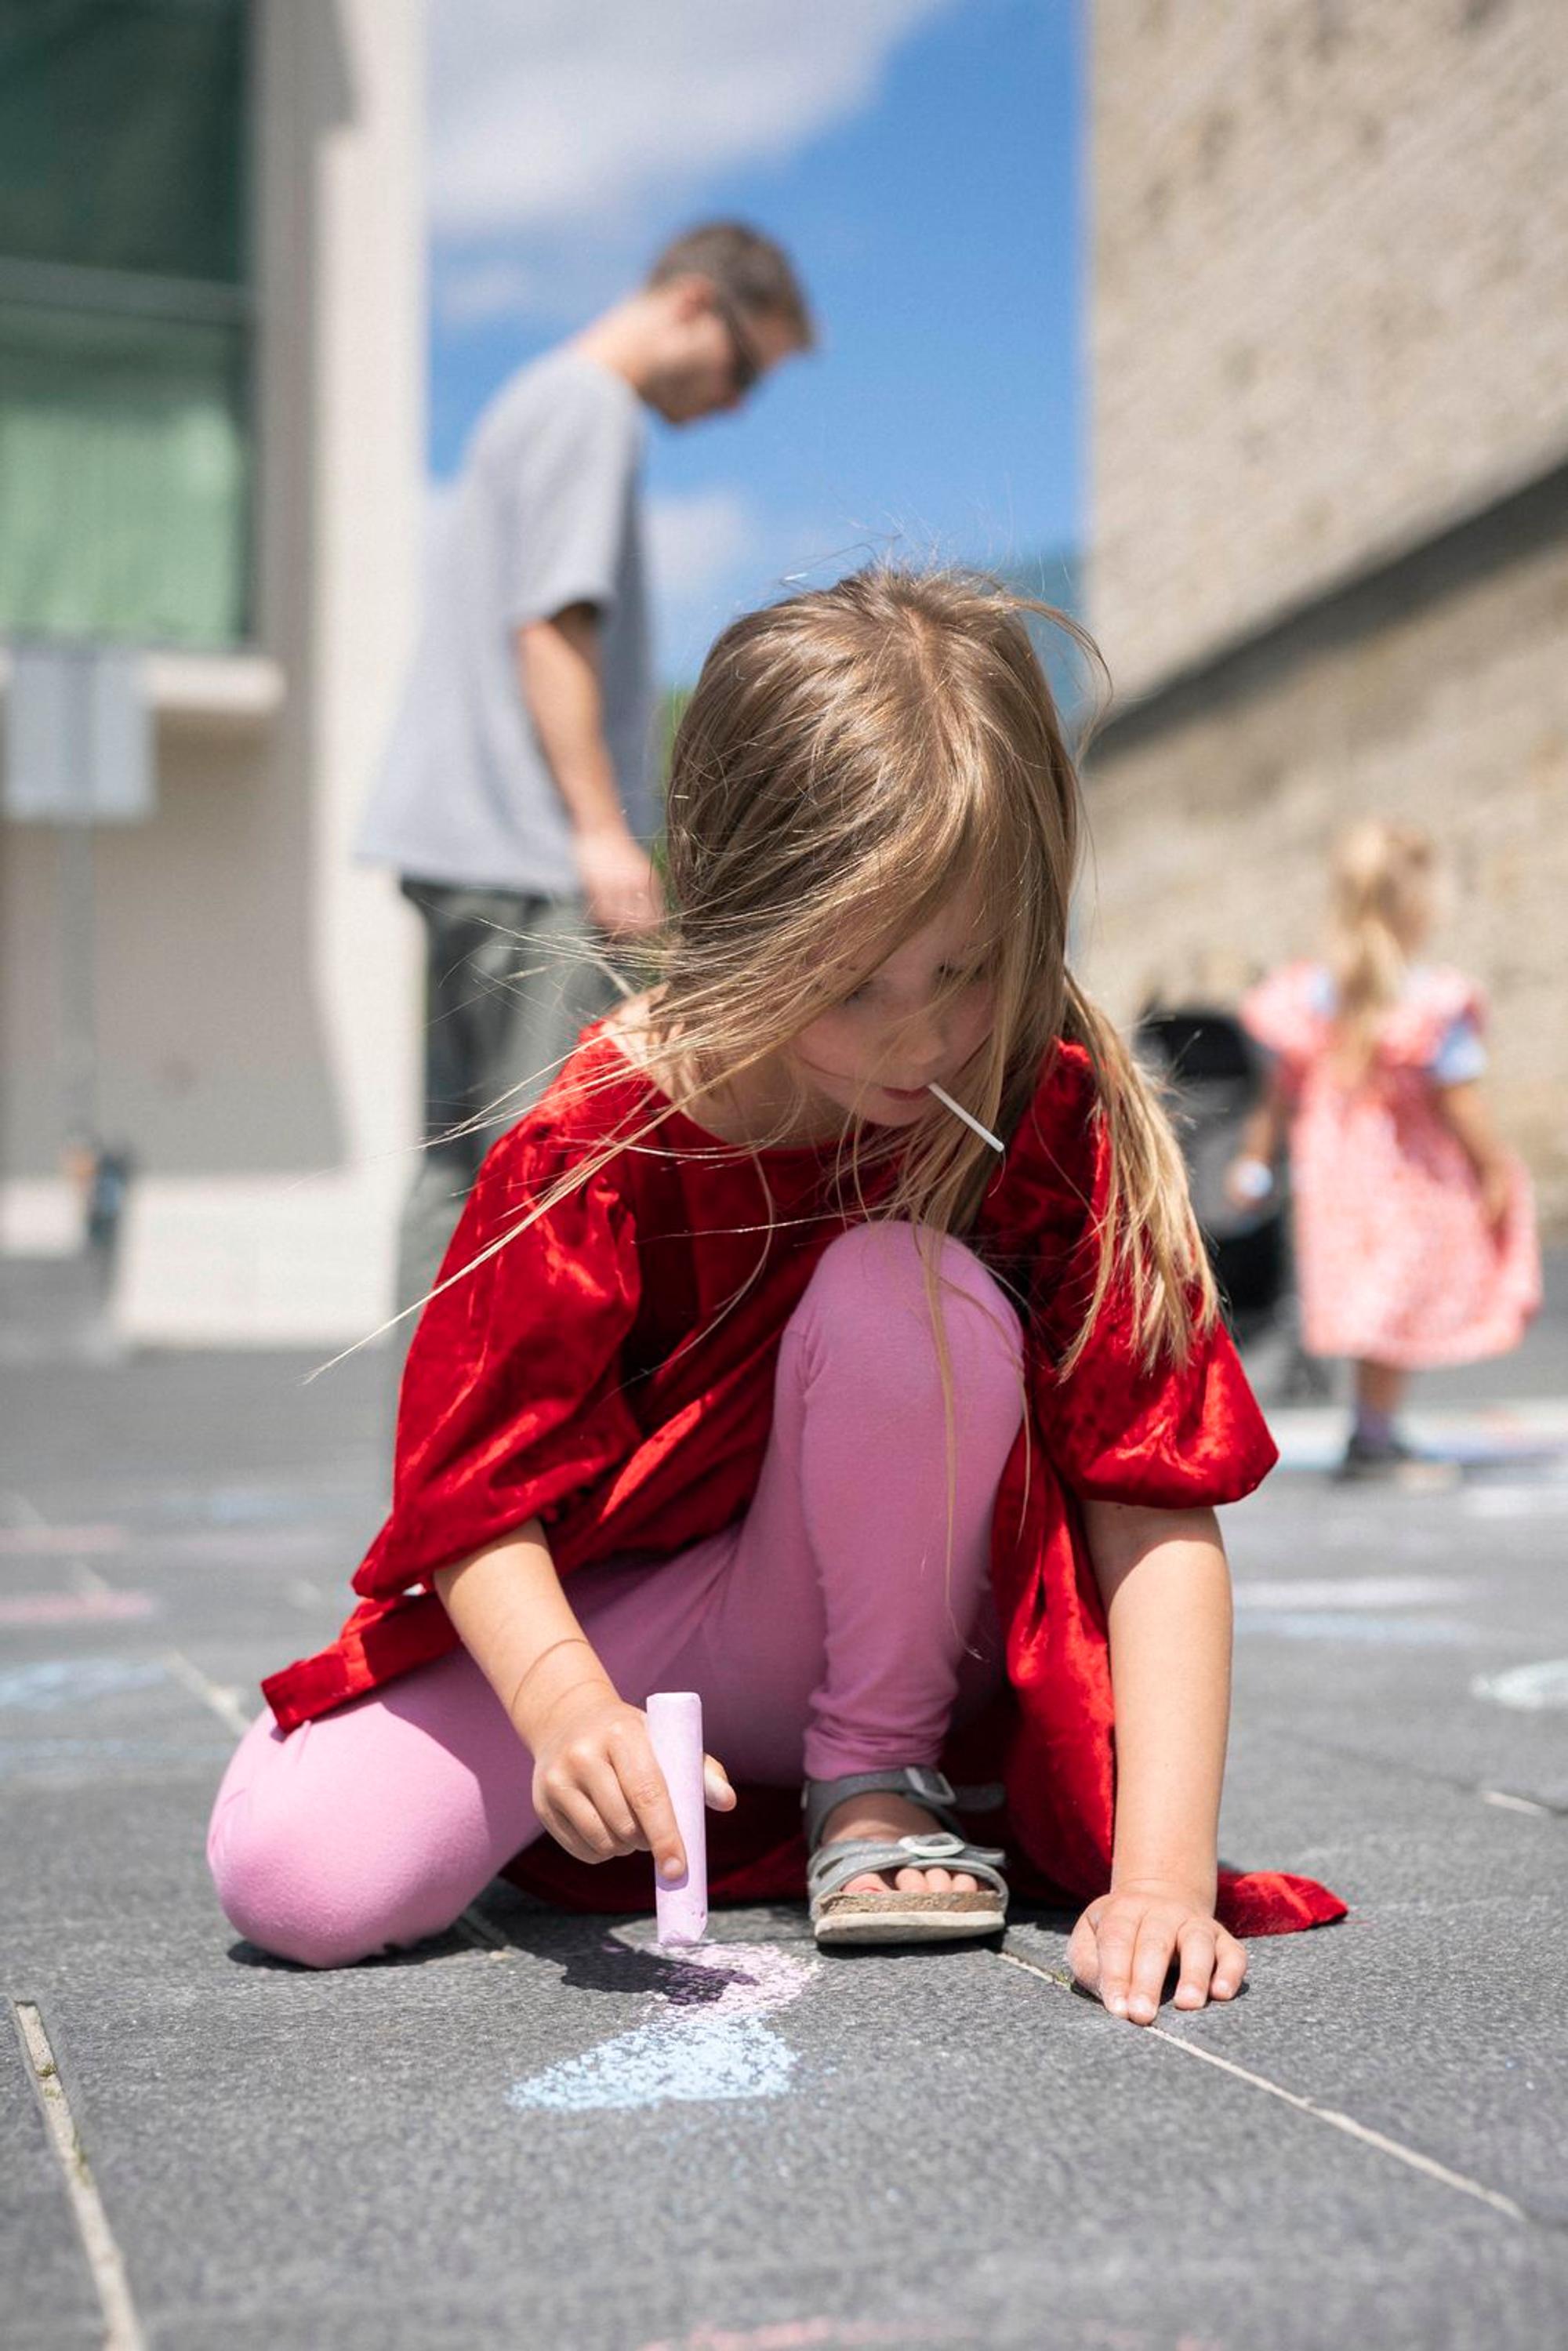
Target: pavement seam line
column 1428, row 2164
column 473, row 1924
column 225, row 1703
column 122, row 2329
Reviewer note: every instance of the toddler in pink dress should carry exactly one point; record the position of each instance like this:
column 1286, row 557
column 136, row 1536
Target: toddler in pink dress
column 1414, row 1231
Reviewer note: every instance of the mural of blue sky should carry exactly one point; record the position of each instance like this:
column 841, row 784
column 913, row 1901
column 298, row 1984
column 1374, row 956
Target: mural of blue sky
column 919, row 158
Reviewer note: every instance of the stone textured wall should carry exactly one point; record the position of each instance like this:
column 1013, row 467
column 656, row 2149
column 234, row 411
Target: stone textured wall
column 1329, row 295
column 1448, row 708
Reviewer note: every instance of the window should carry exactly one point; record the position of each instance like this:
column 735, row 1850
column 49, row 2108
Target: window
column 125, row 457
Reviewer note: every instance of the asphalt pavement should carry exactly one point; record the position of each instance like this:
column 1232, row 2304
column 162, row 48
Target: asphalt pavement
column 542, row 2132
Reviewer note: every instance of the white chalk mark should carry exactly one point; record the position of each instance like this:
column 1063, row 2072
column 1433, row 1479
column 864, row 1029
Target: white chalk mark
column 1507, row 1803
column 1409, row 2156
column 1296, row 1592
column 121, row 2329
column 221, row 1698
column 1543, row 1501
column 1530, row 1689
column 693, row 2047
column 1369, row 1632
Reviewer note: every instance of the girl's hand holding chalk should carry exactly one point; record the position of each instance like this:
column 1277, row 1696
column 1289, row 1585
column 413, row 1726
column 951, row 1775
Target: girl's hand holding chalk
column 598, row 1787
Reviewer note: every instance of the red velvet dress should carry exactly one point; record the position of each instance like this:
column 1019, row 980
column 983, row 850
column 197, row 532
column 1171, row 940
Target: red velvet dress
column 610, row 1372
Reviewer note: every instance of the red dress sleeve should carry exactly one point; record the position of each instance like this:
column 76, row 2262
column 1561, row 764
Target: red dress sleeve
column 1175, row 1437
column 512, row 1398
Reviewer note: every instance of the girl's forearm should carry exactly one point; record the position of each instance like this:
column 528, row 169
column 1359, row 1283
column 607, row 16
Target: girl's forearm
column 516, row 1622
column 1167, row 1594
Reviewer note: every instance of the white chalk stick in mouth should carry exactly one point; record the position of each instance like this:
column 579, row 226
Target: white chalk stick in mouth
column 675, row 1728
column 968, row 1118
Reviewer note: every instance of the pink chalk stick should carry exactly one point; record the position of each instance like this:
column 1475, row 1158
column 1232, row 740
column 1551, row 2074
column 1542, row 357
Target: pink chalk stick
column 675, row 1726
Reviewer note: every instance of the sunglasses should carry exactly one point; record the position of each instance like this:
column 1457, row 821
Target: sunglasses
column 746, row 370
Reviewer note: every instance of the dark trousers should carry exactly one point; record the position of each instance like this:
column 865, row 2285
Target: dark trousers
column 510, row 982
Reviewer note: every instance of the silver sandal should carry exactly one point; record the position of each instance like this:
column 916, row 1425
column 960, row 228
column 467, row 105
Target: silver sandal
column 893, row 1916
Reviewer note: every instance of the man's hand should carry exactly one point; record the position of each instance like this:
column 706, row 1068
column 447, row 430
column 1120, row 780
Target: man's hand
column 619, row 884
column 598, row 1788
column 558, row 663
column 1123, row 1946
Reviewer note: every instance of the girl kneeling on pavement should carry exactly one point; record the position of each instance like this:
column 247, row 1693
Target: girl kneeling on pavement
column 755, row 1370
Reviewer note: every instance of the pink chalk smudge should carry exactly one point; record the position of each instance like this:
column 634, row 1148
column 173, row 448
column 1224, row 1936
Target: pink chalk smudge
column 37, row 1542
column 75, row 1607
column 799, row 2335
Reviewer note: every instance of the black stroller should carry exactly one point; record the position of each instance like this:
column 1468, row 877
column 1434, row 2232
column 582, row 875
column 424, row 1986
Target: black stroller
column 1211, row 1075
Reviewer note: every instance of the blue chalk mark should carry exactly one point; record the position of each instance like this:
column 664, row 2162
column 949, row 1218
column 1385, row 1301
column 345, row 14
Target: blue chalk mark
column 687, row 2051
column 27, row 1758
column 44, row 1688
column 709, row 2057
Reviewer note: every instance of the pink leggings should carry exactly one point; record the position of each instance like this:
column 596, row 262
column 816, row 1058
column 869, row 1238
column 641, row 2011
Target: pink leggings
column 827, row 1633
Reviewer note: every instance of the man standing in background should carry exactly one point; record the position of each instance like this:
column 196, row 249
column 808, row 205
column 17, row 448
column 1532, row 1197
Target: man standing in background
column 517, row 798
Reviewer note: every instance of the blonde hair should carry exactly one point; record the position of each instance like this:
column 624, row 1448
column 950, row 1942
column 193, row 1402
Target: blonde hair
column 1380, row 906
column 851, row 758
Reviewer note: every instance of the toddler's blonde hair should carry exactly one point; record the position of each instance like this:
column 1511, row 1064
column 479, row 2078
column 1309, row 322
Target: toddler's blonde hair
column 1380, row 904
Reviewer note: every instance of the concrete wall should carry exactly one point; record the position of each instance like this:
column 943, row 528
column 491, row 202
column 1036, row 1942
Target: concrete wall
column 1330, row 296
column 1438, row 693
column 256, row 995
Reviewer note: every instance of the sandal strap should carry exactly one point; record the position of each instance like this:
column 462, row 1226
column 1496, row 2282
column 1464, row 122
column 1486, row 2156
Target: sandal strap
column 832, row 1866
column 921, row 1782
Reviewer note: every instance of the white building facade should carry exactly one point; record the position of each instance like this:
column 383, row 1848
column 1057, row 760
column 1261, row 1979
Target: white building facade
column 212, row 368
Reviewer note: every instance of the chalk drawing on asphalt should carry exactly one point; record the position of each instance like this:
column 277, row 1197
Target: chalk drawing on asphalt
column 1332, row 1592
column 53, row 1682
column 721, row 2048
column 76, row 1607
column 1529, row 1689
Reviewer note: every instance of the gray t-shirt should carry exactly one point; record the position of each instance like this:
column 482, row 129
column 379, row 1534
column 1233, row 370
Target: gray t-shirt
column 545, row 514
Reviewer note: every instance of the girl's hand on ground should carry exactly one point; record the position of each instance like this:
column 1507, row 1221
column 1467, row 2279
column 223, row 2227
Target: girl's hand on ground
column 598, row 1788
column 1124, row 1945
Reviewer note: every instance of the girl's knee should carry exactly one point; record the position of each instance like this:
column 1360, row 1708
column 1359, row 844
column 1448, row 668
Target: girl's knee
column 869, row 1288
column 300, row 1895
